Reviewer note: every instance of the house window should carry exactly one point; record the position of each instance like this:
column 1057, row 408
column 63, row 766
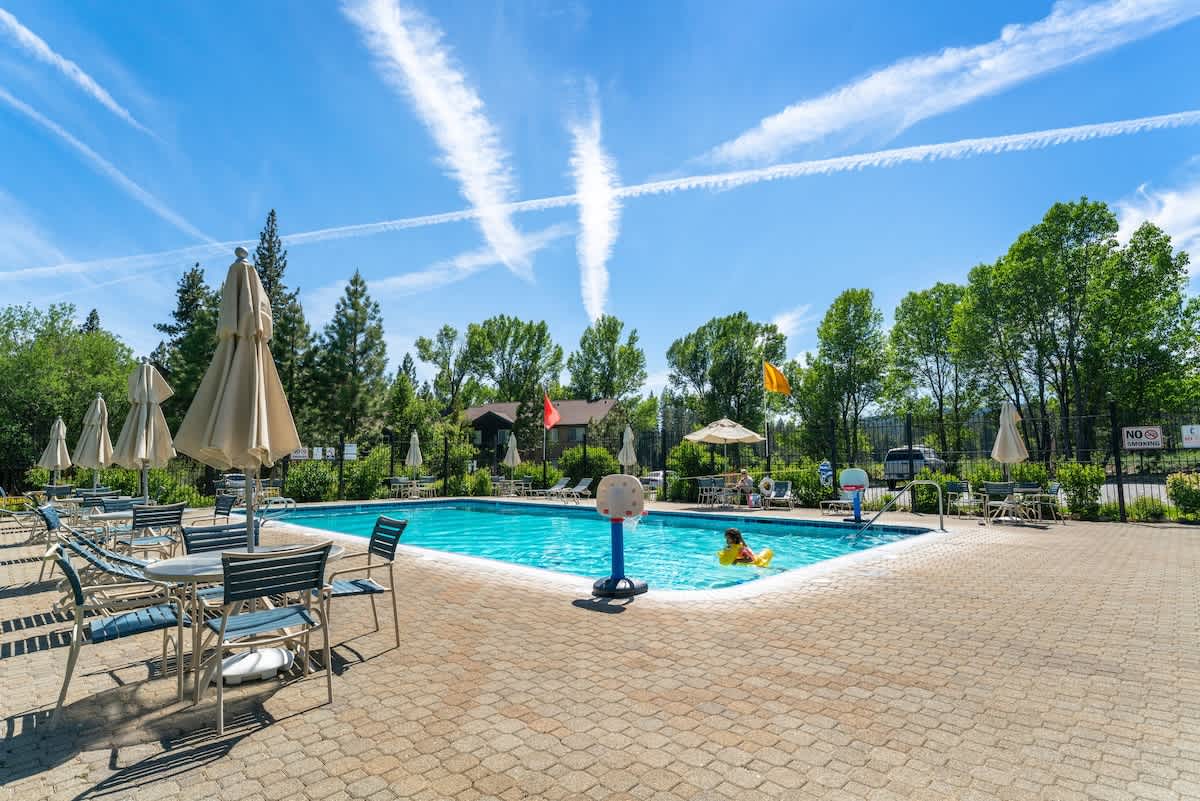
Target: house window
column 477, row 437
column 577, row 433
column 552, row 436
column 502, row 436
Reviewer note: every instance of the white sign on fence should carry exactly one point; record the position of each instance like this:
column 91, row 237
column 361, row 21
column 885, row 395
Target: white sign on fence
column 1142, row 438
column 318, row 453
column 300, row 454
column 350, row 453
column 1191, row 436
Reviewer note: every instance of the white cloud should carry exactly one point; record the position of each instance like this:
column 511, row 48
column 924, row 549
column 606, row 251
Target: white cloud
column 35, row 46
column 794, row 322
column 320, row 302
column 411, row 56
column 596, row 182
column 1175, row 210
column 104, row 167
column 900, row 95
column 657, row 381
column 962, row 149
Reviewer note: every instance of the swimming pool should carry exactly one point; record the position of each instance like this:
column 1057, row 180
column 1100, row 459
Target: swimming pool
column 670, row 551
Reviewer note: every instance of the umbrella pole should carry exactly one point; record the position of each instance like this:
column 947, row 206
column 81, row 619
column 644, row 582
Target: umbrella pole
column 145, row 483
column 250, row 482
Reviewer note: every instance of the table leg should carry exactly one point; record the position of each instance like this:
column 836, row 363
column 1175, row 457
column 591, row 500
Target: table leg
column 197, row 633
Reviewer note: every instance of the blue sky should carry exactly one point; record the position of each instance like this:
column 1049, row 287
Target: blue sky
column 140, row 137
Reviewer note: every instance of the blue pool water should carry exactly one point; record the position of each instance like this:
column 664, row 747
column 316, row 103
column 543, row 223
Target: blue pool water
column 668, row 551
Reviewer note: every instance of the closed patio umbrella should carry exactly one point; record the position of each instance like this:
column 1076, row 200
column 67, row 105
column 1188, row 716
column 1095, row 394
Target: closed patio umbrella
column 512, row 456
column 56, row 458
column 94, row 449
column 145, row 440
column 1009, row 448
column 240, row 415
column 413, row 457
column 628, row 454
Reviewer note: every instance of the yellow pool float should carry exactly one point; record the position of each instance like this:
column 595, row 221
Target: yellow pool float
column 728, row 556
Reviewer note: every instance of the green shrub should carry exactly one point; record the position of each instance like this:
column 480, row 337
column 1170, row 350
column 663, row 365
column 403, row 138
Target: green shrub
column 37, row 477
column 984, row 471
column 807, row 489
column 481, row 483
column 600, row 463
column 1184, row 491
column 875, row 504
column 1109, row 511
column 363, row 478
column 927, row 496
column 1081, row 485
column 691, row 459
column 1029, row 471
column 1149, row 510
column 458, row 486
column 533, row 471
column 310, row 481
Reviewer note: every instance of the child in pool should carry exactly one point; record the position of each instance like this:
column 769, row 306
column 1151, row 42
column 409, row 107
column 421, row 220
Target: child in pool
column 733, row 539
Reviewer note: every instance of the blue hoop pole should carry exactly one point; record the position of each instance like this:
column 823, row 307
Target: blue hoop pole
column 618, row 548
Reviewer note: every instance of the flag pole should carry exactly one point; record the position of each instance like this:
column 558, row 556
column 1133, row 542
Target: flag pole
column 544, row 483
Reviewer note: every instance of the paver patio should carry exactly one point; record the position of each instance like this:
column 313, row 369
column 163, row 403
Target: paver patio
column 1001, row 662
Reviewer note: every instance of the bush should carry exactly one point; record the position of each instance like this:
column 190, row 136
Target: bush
column 534, row 471
column 807, row 489
column 1081, row 485
column 691, row 459
column 1149, row 510
column 458, row 486
column 1109, row 511
column 600, row 463
column 310, row 481
column 363, row 478
column 1029, row 471
column 37, row 477
column 875, row 504
column 481, row 483
column 985, row 471
column 1184, row 491
column 927, row 496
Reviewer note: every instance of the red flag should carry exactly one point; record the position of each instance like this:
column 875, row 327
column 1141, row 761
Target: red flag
column 550, row 415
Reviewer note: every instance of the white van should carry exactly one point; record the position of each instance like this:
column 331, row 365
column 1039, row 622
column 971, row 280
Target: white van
column 895, row 464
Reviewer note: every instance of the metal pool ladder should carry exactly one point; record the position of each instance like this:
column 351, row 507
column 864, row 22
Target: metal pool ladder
column 853, row 536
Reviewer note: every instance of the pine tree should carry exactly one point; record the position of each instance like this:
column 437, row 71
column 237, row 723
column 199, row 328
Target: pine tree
column 351, row 363
column 92, row 324
column 290, row 345
column 270, row 260
column 191, row 341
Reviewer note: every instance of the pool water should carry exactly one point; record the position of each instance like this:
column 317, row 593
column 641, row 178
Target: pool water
column 668, row 551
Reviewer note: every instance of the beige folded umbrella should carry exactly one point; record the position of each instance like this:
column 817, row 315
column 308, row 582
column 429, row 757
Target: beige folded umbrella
column 240, row 415
column 1009, row 448
column 145, row 440
column 628, row 455
column 413, row 458
column 94, row 449
column 512, row 456
column 55, row 458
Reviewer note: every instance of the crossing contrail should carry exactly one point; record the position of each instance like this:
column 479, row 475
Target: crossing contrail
column 961, row 149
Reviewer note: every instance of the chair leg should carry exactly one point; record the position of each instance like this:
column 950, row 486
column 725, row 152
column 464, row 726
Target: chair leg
column 374, row 611
column 220, row 691
column 395, row 604
column 322, row 613
column 76, row 642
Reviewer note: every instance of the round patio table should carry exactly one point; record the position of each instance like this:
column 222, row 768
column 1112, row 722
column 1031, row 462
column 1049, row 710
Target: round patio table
column 205, row 568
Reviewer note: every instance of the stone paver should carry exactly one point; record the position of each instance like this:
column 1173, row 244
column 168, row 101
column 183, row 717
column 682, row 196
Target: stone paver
column 991, row 663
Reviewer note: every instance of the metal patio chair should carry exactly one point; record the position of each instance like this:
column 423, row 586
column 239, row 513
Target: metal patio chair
column 384, row 539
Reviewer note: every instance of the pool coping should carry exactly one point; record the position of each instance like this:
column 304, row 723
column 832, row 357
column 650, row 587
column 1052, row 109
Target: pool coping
column 545, row 578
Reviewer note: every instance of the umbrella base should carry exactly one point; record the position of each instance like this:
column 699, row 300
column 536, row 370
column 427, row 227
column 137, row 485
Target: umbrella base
column 623, row 587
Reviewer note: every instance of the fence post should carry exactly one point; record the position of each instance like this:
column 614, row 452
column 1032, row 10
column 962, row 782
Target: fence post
column 446, row 465
column 664, row 452
column 341, row 465
column 912, row 466
column 1116, row 446
column 585, row 467
column 768, row 447
column 833, row 450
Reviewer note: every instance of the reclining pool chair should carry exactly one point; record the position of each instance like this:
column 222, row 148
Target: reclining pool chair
column 576, row 492
column 384, row 539
column 781, row 495
column 149, row 606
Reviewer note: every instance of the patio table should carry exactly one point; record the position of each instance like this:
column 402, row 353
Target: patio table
column 189, row 572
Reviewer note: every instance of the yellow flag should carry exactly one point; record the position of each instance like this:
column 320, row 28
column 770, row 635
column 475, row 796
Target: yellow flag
column 774, row 380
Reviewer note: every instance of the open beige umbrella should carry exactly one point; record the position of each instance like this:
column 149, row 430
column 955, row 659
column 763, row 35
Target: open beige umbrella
column 1009, row 448
column 628, row 454
column 94, row 449
column 512, row 456
column 240, row 415
column 56, row 458
column 725, row 432
column 145, row 440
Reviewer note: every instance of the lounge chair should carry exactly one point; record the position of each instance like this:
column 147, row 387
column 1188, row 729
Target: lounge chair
column 147, row 606
column 781, row 495
column 577, row 492
column 384, row 539
column 960, row 500
column 559, row 486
